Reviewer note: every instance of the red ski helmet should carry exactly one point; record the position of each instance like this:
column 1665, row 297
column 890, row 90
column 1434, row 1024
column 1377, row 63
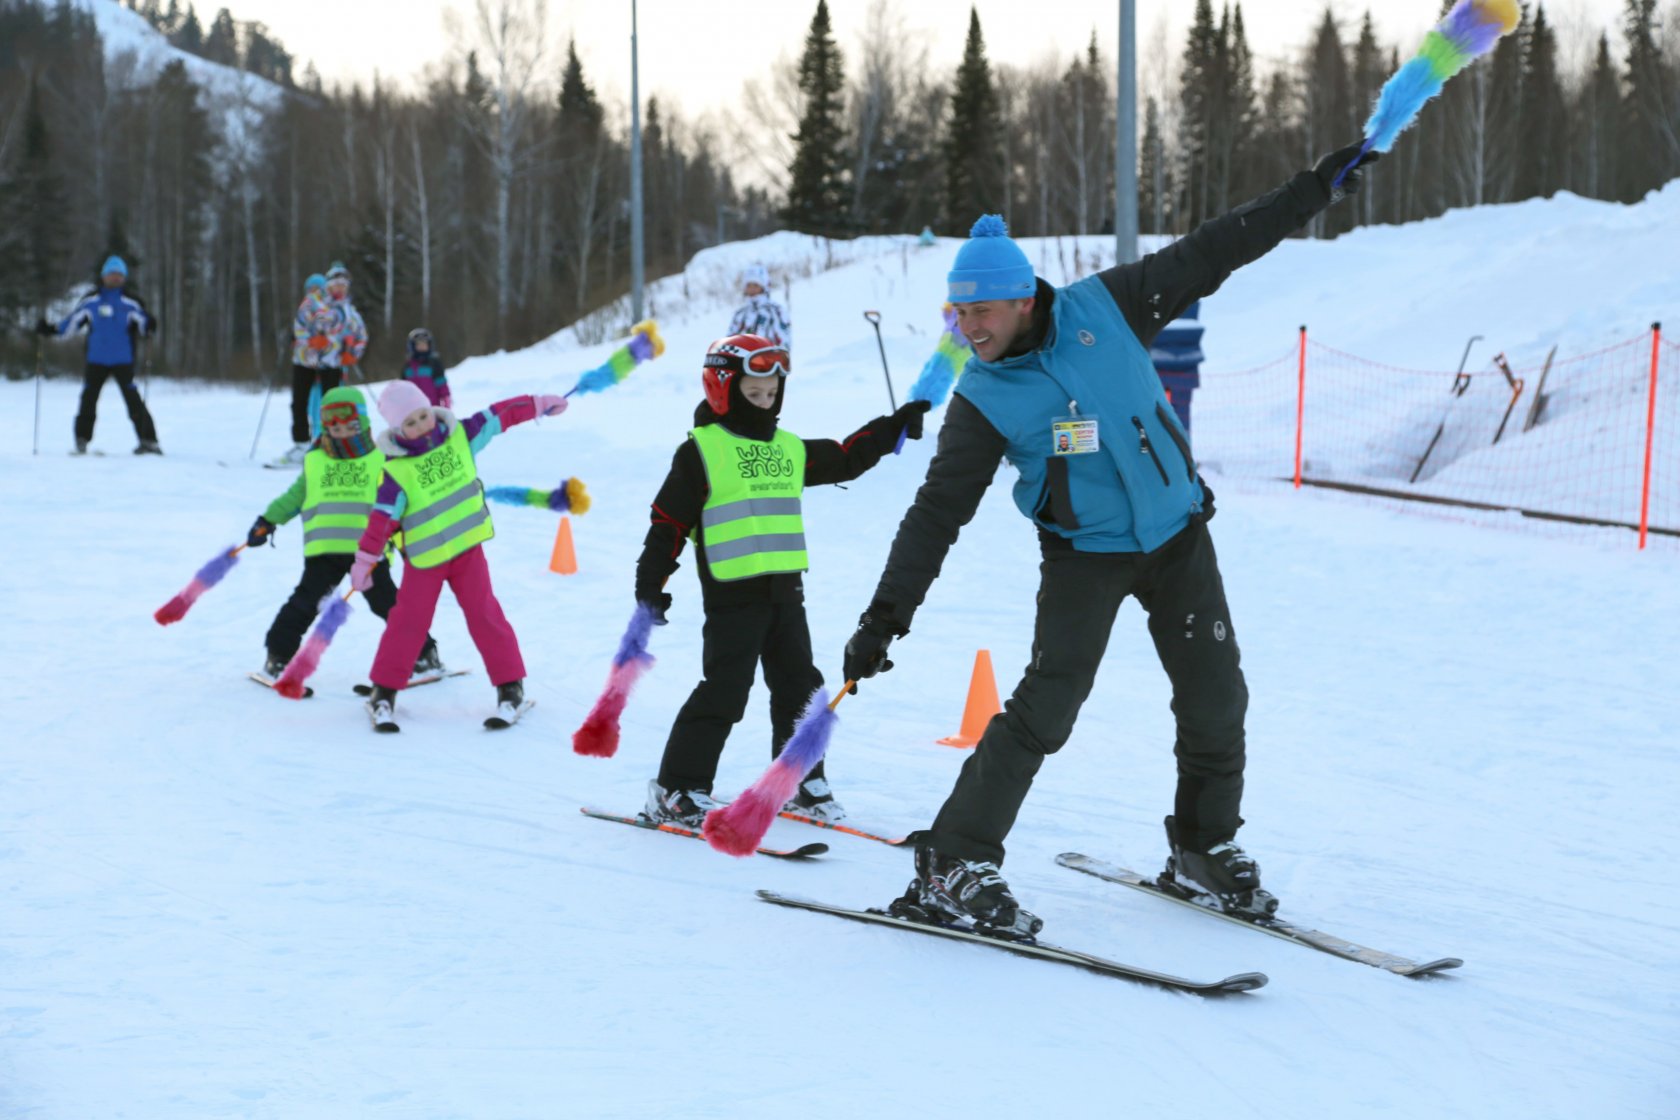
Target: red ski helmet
column 747, row 354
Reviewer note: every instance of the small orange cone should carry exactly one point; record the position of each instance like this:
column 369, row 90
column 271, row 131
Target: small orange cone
column 563, row 561
column 982, row 703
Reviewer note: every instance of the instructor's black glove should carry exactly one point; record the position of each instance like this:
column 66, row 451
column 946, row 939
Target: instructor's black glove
column 866, row 652
column 1207, row 499
column 908, row 419
column 1331, row 166
column 262, row 532
column 659, row 602
column 44, row 328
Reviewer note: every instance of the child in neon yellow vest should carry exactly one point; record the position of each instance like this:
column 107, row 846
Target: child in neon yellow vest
column 734, row 489
column 431, row 490
column 334, row 493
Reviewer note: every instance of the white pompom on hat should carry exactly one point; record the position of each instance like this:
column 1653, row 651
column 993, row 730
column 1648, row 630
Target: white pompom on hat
column 756, row 274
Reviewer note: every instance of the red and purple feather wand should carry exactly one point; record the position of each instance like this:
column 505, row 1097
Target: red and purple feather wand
column 206, row 578
column 598, row 737
column 738, row 828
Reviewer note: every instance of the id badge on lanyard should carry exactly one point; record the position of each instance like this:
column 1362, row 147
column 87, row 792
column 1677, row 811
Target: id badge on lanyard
column 1074, row 434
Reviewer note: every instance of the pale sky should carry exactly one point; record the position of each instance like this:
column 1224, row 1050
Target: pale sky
column 699, row 53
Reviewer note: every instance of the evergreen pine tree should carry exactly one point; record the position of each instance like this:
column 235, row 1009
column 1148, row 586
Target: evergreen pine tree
column 38, row 205
column 1541, row 126
column 1599, row 121
column 222, row 43
column 1200, row 83
column 817, row 194
column 1651, row 146
column 973, row 160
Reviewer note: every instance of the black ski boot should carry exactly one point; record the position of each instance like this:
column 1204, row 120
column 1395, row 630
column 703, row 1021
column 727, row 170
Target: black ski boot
column 1223, row 878
column 968, row 891
column 273, row 667
column 510, row 705
column 428, row 662
column 382, row 708
column 685, row 807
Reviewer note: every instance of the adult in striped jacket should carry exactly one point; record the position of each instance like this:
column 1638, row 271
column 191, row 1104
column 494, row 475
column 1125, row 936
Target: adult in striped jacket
column 761, row 315
column 114, row 318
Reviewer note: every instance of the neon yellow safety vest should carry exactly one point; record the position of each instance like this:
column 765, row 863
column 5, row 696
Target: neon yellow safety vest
column 338, row 496
column 446, row 514
column 751, row 524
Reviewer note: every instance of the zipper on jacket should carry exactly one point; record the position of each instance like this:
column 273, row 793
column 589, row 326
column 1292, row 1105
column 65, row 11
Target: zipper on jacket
column 1178, row 440
column 1145, row 449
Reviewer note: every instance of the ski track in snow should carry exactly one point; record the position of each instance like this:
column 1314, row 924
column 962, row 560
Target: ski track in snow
column 220, row 903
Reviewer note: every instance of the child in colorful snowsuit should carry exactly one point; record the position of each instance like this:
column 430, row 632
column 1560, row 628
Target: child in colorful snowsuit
column 431, row 491
column 328, row 337
column 761, row 315
column 425, row 368
column 734, row 489
column 335, row 494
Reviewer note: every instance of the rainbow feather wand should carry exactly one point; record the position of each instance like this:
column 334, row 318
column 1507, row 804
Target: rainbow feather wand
column 302, row 666
column 1470, row 30
column 644, row 345
column 206, row 578
column 569, row 497
column 944, row 365
column 598, row 737
column 739, row 827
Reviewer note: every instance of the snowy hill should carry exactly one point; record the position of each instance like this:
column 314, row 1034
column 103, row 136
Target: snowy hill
column 222, row 903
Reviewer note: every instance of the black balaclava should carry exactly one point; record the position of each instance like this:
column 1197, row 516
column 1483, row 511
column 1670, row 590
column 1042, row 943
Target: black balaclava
column 745, row 419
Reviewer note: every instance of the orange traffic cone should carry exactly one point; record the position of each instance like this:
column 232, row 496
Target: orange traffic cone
column 563, row 560
column 982, row 703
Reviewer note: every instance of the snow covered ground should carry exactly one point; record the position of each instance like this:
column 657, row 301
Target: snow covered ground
column 219, row 903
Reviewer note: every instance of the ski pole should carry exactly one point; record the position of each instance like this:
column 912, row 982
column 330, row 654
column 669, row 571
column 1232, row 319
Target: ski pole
column 40, row 347
column 874, row 318
column 145, row 372
column 269, row 392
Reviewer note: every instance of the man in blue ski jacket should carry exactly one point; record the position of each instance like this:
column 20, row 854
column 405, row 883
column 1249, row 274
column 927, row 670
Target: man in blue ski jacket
column 114, row 318
column 1062, row 386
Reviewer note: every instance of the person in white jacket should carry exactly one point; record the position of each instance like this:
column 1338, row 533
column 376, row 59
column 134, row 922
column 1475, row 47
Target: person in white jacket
column 761, row 315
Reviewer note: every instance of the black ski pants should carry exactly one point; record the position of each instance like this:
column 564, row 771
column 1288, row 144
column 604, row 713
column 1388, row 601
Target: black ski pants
column 735, row 640
column 1079, row 595
column 303, row 379
column 321, row 577
column 93, row 380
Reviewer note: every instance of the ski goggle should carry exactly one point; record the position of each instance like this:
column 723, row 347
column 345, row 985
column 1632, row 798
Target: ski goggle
column 340, row 413
column 768, row 363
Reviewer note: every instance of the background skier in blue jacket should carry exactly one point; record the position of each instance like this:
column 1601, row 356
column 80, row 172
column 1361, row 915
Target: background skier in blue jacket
column 115, row 318
column 1062, row 386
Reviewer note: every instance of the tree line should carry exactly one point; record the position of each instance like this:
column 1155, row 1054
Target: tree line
column 489, row 201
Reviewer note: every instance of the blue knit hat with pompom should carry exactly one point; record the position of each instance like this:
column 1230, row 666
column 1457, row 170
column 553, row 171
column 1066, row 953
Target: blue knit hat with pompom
column 990, row 266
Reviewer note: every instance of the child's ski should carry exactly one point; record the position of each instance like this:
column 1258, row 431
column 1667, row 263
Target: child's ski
column 804, row 851
column 413, row 682
column 1241, row 982
column 790, row 815
column 384, row 727
column 1277, row 927
column 269, row 682
column 504, row 719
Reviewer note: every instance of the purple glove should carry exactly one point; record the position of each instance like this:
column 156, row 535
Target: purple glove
column 551, row 404
column 361, row 572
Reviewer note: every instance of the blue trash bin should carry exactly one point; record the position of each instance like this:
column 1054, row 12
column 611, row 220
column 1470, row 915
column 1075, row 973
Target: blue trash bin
column 1177, row 354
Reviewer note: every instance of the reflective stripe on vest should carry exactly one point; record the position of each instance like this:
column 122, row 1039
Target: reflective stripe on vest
column 751, row 524
column 446, row 514
column 339, row 494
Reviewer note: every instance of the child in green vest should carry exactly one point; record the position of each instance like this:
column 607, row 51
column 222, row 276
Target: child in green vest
column 335, row 494
column 734, row 489
column 431, row 490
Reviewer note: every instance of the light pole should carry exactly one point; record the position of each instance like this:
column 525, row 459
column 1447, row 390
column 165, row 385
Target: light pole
column 635, row 178
column 1125, row 139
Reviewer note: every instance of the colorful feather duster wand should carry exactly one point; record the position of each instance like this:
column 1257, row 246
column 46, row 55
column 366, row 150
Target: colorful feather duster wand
column 303, row 664
column 738, row 828
column 206, row 578
column 1470, row 30
column 644, row 345
column 569, row 497
column 598, row 737
column 944, row 365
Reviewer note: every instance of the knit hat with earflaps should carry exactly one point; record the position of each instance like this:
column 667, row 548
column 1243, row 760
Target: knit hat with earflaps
column 990, row 266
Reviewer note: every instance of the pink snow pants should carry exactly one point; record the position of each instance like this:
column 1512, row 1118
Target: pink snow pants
column 468, row 576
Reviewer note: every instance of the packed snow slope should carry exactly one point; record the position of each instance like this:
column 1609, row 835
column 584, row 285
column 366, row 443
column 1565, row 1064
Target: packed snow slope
column 220, row 903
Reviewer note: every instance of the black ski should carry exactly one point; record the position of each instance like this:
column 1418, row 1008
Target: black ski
column 1241, row 982
column 804, row 851
column 413, row 682
column 269, row 682
column 502, row 723
column 1277, row 927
